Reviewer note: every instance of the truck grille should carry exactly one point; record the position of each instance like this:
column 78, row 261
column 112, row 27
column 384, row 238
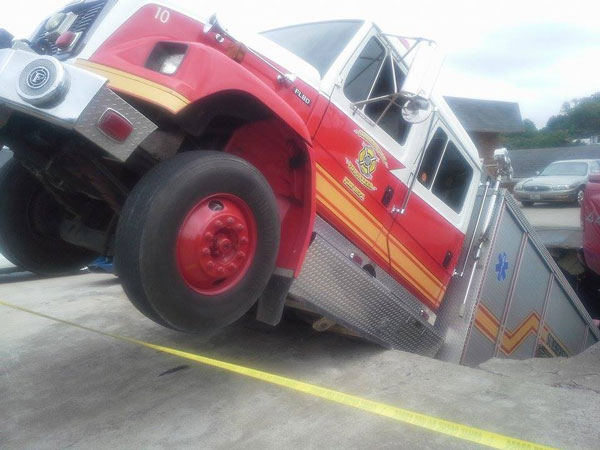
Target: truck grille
column 537, row 188
column 87, row 13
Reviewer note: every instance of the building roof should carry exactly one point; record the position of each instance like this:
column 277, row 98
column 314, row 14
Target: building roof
column 527, row 162
column 487, row 116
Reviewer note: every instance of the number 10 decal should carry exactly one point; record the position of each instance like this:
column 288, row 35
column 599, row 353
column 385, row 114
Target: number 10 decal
column 162, row 14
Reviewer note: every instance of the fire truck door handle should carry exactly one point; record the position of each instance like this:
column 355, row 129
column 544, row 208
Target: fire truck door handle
column 447, row 259
column 387, row 196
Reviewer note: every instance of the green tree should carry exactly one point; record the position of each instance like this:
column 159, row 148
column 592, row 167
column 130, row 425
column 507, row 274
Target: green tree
column 578, row 119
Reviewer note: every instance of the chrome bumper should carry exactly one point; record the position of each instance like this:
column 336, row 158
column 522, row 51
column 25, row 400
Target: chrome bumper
column 547, row 196
column 67, row 96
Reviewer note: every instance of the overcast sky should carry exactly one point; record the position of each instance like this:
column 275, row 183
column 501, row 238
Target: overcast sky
column 539, row 53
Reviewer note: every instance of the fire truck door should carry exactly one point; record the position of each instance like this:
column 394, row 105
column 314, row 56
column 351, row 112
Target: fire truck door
column 357, row 143
column 428, row 236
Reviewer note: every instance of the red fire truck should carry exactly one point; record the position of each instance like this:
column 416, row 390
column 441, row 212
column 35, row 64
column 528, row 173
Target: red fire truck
column 590, row 219
column 208, row 163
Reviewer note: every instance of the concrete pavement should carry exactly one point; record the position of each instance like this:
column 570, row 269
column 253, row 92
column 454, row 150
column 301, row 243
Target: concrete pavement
column 63, row 387
column 558, row 226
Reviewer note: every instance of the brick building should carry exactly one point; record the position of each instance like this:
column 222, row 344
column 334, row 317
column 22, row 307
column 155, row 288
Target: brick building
column 485, row 120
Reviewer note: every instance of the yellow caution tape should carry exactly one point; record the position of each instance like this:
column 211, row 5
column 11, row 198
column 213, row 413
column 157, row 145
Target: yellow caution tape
column 456, row 430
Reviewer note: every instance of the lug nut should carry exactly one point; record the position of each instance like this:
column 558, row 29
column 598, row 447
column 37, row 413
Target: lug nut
column 206, row 251
column 218, row 224
column 210, row 265
column 244, row 240
column 229, row 221
column 233, row 267
column 209, row 236
column 220, row 271
column 239, row 227
column 241, row 255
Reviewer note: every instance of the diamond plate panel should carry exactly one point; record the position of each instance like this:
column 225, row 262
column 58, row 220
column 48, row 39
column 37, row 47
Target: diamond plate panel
column 334, row 286
column 87, row 124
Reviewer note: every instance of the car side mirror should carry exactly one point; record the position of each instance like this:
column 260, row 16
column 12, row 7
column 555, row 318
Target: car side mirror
column 595, row 178
column 537, row 172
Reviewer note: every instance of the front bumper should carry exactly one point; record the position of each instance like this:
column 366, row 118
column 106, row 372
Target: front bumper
column 66, row 96
column 569, row 195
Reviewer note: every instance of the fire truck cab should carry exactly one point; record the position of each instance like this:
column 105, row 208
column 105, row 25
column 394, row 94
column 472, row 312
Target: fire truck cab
column 209, row 162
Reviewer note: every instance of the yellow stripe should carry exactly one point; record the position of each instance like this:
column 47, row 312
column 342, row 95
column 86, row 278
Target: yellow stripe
column 401, row 259
column 530, row 325
column 467, row 433
column 402, row 264
column 432, row 279
column 363, row 227
column 137, row 86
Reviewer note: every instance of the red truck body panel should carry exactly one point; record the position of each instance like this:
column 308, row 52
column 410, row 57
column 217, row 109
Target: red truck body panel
column 419, row 249
column 590, row 217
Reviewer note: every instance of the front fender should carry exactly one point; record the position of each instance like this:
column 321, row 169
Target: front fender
column 204, row 72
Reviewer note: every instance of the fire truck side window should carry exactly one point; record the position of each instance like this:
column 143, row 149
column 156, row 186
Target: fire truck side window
column 373, row 75
column 453, row 178
column 432, row 158
column 364, row 71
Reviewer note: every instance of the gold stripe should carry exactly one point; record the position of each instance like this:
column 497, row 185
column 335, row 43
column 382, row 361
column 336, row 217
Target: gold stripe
column 370, row 229
column 137, row 86
column 457, row 430
column 395, row 242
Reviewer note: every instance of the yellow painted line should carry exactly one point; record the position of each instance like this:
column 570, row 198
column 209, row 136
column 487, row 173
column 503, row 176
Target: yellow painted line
column 457, row 430
column 137, row 86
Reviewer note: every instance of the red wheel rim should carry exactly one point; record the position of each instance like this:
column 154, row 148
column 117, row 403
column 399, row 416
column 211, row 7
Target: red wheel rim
column 216, row 244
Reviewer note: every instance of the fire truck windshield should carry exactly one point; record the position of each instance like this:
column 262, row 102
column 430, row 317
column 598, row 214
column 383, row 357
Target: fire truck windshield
column 319, row 44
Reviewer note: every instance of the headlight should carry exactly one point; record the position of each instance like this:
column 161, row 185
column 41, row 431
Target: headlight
column 519, row 186
column 562, row 187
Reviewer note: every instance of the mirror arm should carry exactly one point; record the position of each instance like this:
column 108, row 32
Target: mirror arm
column 413, row 176
column 416, row 40
column 374, row 99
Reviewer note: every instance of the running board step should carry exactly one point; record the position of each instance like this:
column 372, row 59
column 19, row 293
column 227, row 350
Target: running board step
column 335, row 287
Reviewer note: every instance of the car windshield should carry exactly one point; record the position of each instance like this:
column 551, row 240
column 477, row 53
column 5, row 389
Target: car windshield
column 565, row 168
column 319, row 44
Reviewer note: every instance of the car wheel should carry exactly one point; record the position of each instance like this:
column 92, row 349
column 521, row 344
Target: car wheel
column 580, row 195
column 197, row 241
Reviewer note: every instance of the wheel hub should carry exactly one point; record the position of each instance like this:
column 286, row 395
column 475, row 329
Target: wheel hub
column 216, row 243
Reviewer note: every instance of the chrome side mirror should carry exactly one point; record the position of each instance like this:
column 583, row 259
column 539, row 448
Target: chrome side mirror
column 425, row 66
column 504, row 165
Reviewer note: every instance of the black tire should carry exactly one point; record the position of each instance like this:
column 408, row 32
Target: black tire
column 29, row 224
column 148, row 230
column 527, row 203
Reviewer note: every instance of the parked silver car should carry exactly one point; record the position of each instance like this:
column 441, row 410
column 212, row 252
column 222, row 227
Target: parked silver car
column 561, row 181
